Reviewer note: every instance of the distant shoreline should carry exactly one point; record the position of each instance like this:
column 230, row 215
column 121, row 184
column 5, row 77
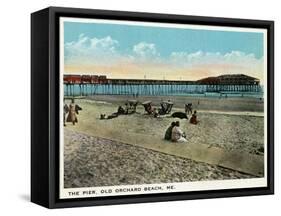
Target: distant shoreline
column 239, row 104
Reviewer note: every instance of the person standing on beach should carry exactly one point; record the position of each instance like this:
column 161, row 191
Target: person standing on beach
column 72, row 117
column 177, row 134
column 65, row 111
column 168, row 133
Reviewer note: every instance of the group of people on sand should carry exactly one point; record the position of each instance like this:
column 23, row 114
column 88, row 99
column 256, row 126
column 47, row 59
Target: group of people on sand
column 175, row 134
column 72, row 110
column 130, row 108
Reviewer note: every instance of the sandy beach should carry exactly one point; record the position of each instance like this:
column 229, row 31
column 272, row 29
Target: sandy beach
column 97, row 151
column 91, row 161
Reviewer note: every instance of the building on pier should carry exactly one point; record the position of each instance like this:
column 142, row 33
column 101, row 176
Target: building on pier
column 231, row 79
column 231, row 83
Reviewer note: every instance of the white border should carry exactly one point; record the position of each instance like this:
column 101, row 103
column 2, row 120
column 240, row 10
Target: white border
column 178, row 187
column 164, row 25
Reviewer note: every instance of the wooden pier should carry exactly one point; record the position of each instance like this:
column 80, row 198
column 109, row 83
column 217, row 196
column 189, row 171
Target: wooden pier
column 84, row 85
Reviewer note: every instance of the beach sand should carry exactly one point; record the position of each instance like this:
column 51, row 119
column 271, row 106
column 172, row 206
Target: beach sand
column 90, row 162
column 230, row 129
column 234, row 124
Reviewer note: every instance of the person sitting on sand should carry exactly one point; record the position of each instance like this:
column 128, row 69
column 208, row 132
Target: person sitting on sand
column 155, row 113
column 102, row 116
column 168, row 133
column 149, row 109
column 127, row 107
column 177, row 134
column 193, row 119
column 120, row 110
column 72, row 117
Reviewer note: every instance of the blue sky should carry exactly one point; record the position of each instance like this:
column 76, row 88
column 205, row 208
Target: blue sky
column 116, row 49
column 168, row 40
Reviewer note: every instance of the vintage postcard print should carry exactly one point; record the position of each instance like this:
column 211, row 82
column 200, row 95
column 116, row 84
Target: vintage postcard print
column 160, row 108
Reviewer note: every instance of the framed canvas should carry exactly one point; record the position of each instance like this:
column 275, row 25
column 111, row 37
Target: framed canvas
column 138, row 107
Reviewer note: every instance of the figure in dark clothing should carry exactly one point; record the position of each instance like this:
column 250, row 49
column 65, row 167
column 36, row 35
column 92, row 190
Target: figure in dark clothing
column 188, row 108
column 77, row 109
column 102, row 116
column 168, row 133
column 120, row 110
column 65, row 111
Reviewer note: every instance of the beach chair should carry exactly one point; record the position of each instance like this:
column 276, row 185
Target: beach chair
column 166, row 107
column 148, row 107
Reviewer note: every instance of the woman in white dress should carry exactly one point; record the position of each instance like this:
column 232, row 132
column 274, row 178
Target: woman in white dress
column 177, row 134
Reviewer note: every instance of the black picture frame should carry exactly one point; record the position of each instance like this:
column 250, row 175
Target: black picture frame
column 45, row 105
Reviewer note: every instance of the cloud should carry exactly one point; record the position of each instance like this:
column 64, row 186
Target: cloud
column 103, row 56
column 216, row 63
column 88, row 49
column 145, row 50
column 200, row 57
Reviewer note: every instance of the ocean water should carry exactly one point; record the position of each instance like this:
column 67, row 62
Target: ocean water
column 171, row 90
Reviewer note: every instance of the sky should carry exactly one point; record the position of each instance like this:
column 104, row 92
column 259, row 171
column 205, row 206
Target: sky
column 138, row 52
